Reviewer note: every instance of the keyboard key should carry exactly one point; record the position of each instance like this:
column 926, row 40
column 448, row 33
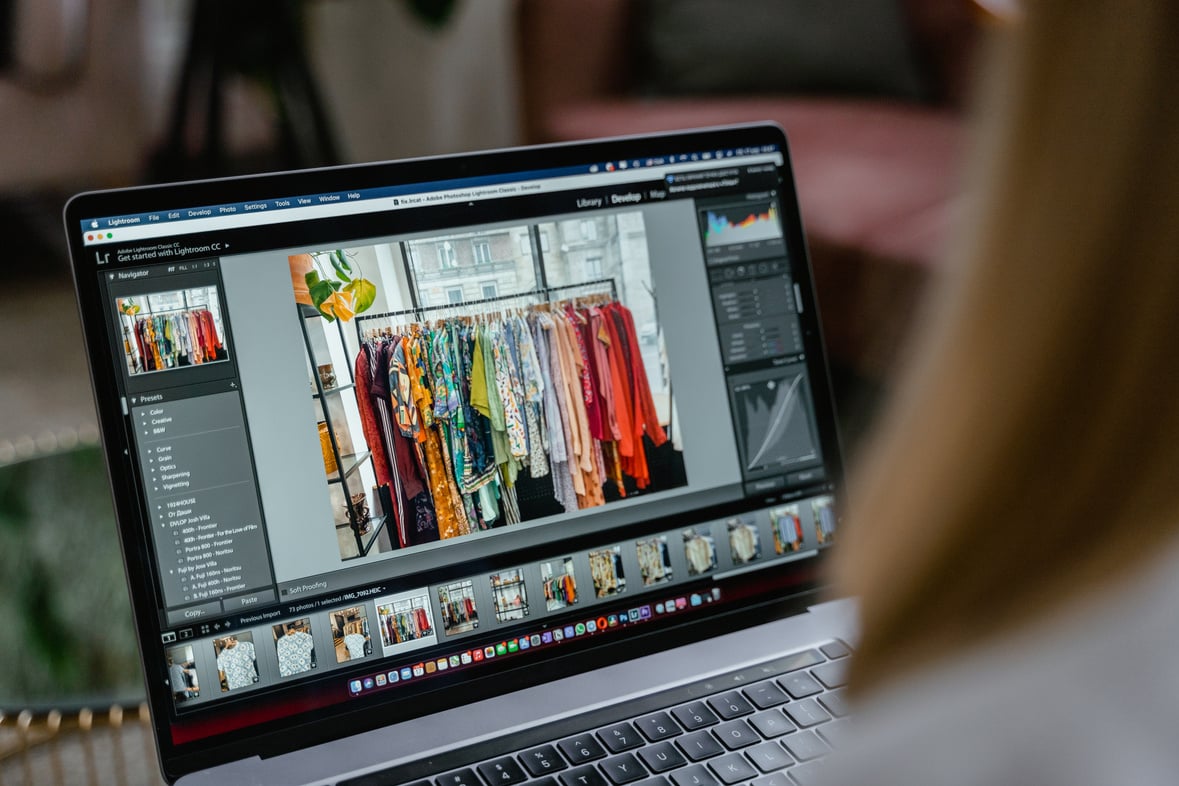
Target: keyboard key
column 732, row 768
column 835, row 703
column 695, row 715
column 833, row 675
column 620, row 737
column 797, row 660
column 809, row 774
column 807, row 713
column 833, row 733
column 658, row 780
column 699, row 745
column 623, row 769
column 657, row 726
column 772, row 723
column 800, row 684
column 546, row 781
column 586, row 775
column 774, row 779
column 736, row 734
column 661, row 757
column 769, row 757
column 730, row 705
column 460, row 778
column 581, row 749
column 502, row 772
column 805, row 746
column 696, row 775
column 835, row 649
column 540, row 760
column 766, row 694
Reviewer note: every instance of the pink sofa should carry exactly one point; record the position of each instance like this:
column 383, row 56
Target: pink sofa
column 877, row 178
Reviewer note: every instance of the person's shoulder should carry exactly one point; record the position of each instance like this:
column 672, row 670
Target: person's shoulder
column 1086, row 699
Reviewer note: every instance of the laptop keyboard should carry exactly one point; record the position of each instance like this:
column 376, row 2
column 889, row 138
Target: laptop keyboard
column 766, row 725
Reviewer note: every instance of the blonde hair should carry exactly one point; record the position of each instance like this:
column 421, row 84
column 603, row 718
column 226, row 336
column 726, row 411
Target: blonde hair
column 1031, row 452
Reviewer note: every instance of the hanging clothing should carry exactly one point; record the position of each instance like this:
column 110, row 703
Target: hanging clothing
column 556, row 417
column 743, row 542
column 363, row 377
column 700, row 553
column 237, row 665
column 604, row 573
column 175, row 338
column 296, row 650
column 356, row 644
column 462, row 406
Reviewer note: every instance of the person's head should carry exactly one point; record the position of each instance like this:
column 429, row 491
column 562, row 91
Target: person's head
column 1031, row 450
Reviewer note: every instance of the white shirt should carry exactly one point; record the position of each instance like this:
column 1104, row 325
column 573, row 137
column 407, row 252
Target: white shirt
column 355, row 644
column 1090, row 698
column 294, row 653
column 237, row 663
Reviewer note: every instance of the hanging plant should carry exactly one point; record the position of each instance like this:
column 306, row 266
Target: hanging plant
column 337, row 288
column 128, row 307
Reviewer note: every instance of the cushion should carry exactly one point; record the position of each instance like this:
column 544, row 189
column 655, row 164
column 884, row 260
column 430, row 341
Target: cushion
column 849, row 47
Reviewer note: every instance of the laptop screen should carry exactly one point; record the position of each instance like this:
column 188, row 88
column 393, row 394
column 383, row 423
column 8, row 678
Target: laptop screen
column 413, row 428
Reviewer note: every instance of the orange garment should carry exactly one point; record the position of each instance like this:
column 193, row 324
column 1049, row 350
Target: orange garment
column 632, row 458
column 646, row 418
column 448, row 506
column 641, row 418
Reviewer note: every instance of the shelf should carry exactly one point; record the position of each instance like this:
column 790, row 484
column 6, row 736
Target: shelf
column 369, row 538
column 336, row 389
column 350, row 462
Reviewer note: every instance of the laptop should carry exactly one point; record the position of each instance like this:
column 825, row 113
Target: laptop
column 505, row 467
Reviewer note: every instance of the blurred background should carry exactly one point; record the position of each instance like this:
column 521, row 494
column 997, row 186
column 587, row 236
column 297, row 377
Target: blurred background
column 873, row 95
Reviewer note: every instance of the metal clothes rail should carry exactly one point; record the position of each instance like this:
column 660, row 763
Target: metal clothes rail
column 419, row 312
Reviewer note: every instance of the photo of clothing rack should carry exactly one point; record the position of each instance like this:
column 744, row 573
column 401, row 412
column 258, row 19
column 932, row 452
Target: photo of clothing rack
column 163, row 331
column 559, row 584
column 456, row 602
column 458, row 410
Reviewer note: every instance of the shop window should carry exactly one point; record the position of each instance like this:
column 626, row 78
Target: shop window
column 481, row 249
column 593, row 267
column 489, row 289
column 454, row 295
column 589, row 229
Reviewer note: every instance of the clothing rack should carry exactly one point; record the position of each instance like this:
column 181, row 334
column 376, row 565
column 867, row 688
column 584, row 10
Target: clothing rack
column 421, row 311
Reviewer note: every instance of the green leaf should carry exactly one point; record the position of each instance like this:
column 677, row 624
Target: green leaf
column 342, row 266
column 312, row 278
column 321, row 291
column 364, row 292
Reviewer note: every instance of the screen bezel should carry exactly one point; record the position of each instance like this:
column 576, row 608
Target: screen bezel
column 796, row 583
